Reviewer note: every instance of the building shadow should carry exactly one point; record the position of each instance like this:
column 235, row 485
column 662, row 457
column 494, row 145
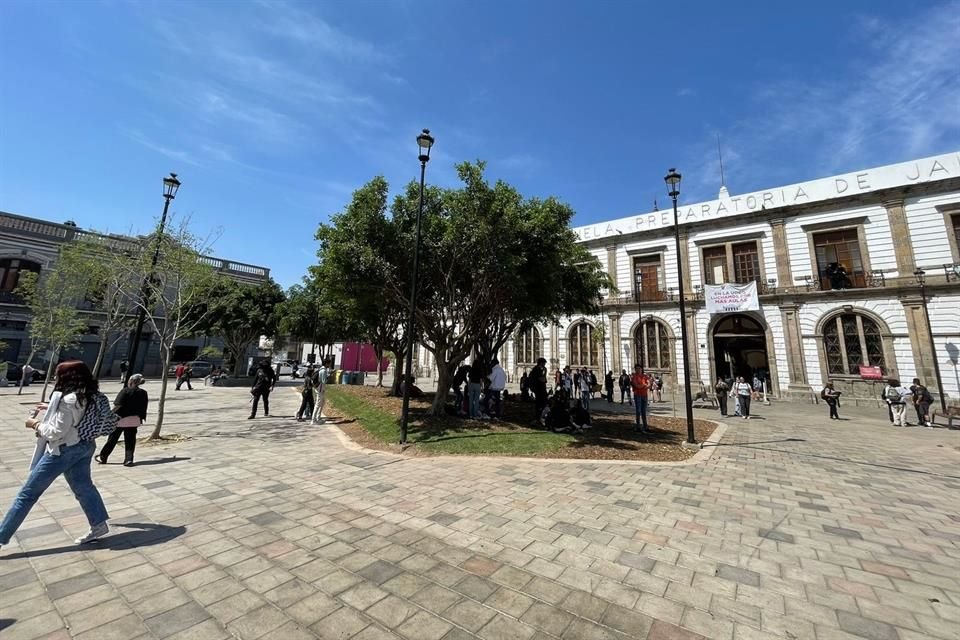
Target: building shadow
column 137, row 535
column 6, row 623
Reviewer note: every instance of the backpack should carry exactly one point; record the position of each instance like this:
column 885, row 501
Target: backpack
column 823, row 393
column 98, row 419
column 891, row 394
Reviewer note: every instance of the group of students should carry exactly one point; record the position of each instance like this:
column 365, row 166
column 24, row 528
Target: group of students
column 742, row 392
column 898, row 397
column 479, row 392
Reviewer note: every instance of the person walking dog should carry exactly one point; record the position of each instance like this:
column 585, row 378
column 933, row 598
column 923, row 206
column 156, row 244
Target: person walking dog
column 130, row 405
column 76, row 413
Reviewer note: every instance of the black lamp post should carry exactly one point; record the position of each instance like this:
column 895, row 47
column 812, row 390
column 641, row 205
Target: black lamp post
column 425, row 142
column 170, row 187
column 638, row 281
column 673, row 185
column 921, row 277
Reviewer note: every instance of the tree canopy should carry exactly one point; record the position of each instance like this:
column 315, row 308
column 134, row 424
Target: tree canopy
column 240, row 313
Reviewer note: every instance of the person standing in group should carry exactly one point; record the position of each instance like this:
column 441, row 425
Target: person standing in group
column 62, row 452
column 319, row 392
column 538, row 384
column 185, row 377
column 524, row 387
column 922, row 399
column 497, row 383
column 896, row 396
column 474, row 386
column 832, row 398
column 263, row 383
column 306, row 394
column 585, row 390
column 123, row 371
column 722, row 390
column 641, row 387
column 657, row 388
column 608, row 386
column 593, row 383
column 624, row 382
column 566, row 381
column 130, row 405
column 459, row 381
column 743, row 391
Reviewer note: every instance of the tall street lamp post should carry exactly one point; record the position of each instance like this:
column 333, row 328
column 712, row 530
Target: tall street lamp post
column 673, row 185
column 921, row 277
column 170, row 187
column 638, row 282
column 425, row 142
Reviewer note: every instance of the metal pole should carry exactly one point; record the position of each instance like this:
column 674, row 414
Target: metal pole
column 933, row 350
column 691, row 438
column 411, row 322
column 641, row 360
column 145, row 292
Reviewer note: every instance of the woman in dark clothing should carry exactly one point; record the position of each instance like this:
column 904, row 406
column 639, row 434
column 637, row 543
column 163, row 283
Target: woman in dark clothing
column 131, row 407
column 608, row 385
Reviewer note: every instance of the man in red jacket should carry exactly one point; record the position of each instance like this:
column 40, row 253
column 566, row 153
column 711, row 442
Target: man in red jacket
column 641, row 385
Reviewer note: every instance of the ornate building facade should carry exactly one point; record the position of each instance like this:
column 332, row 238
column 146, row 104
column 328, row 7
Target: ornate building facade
column 30, row 244
column 835, row 261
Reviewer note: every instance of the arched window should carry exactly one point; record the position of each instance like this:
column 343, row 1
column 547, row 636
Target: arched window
column 655, row 351
column 10, row 270
column 852, row 340
column 529, row 346
column 584, row 347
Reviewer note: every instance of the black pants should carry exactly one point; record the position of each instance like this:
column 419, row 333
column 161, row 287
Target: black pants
column 625, row 391
column 609, row 394
column 722, row 401
column 539, row 406
column 832, row 403
column 306, row 404
column 180, row 382
column 257, row 394
column 129, row 443
column 745, row 406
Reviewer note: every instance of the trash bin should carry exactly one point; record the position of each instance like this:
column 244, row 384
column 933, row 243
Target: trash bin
column 358, row 377
column 336, row 376
column 346, row 377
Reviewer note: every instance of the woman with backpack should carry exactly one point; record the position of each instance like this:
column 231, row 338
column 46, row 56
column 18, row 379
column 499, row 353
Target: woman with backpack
column 62, row 450
column 832, row 398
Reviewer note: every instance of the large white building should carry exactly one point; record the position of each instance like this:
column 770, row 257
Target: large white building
column 881, row 225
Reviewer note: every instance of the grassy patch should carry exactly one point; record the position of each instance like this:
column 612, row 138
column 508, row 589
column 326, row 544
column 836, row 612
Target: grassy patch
column 371, row 417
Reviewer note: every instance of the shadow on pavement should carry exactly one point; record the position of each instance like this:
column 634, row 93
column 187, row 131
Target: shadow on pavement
column 146, row 463
column 743, row 444
column 141, row 535
column 863, row 463
column 6, row 622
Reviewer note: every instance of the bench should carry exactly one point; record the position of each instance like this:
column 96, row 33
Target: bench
column 952, row 417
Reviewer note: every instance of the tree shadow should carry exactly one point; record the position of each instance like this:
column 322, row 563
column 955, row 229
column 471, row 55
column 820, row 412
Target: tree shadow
column 743, row 444
column 141, row 535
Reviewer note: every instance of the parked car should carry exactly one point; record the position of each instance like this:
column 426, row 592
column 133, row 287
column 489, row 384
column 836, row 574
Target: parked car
column 201, row 368
column 14, row 369
column 286, row 368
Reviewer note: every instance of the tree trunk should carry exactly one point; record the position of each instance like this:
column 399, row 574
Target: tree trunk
column 378, row 352
column 46, row 380
column 104, row 338
column 23, row 379
column 238, row 364
column 397, row 377
column 165, row 358
column 439, row 407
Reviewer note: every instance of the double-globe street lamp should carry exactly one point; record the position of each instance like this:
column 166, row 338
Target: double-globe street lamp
column 425, row 143
column 170, row 187
column 921, row 277
column 673, row 186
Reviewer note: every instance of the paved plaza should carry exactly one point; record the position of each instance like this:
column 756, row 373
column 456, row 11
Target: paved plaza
column 794, row 527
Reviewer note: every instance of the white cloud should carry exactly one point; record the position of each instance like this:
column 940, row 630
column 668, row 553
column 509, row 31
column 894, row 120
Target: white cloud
column 897, row 98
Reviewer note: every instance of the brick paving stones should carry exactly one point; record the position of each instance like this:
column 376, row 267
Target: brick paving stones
column 274, row 529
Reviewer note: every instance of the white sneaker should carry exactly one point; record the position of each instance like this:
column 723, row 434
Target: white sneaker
column 96, row 531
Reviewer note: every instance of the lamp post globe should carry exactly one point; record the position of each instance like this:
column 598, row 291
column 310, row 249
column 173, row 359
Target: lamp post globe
column 672, row 179
column 170, row 186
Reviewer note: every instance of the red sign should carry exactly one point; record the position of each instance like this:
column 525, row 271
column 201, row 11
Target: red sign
column 871, row 373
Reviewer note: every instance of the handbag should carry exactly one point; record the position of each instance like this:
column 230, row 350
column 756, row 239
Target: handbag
column 98, row 419
column 129, row 422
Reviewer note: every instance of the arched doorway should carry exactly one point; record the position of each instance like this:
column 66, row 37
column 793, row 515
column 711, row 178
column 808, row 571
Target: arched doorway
column 740, row 347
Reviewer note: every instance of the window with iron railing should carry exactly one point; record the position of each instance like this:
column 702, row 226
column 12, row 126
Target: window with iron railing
column 746, row 263
column 715, row 264
column 647, row 272
column 839, row 263
column 852, row 340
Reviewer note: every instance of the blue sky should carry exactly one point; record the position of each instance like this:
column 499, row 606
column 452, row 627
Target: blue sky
column 272, row 112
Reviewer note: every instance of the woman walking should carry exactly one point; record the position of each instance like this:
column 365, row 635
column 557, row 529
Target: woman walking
column 130, row 405
column 743, row 390
column 63, row 452
column 722, row 389
column 833, row 399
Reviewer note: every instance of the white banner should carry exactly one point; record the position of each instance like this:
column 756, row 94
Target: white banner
column 731, row 298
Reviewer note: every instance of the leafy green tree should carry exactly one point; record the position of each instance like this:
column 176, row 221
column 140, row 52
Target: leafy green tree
column 240, row 313
column 363, row 269
column 52, row 297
